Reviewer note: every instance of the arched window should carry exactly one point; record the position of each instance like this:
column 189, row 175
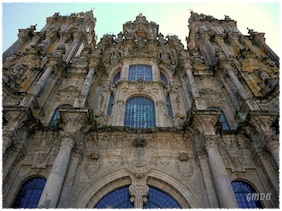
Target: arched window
column 222, row 119
column 137, row 72
column 29, row 193
column 118, row 198
column 164, row 78
column 116, row 78
column 245, row 195
column 160, row 199
column 56, row 115
column 110, row 105
column 139, row 112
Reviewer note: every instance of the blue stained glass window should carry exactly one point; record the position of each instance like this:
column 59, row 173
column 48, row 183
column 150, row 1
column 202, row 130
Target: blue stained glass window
column 110, row 105
column 56, row 115
column 55, row 118
column 139, row 113
column 169, row 107
column 137, row 72
column 243, row 193
column 164, row 78
column 29, row 193
column 160, row 199
column 116, row 78
column 222, row 119
column 118, row 198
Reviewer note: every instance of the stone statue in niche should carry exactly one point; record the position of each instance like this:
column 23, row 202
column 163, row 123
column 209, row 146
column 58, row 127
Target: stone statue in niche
column 101, row 119
column 161, row 38
column 119, row 38
column 178, row 120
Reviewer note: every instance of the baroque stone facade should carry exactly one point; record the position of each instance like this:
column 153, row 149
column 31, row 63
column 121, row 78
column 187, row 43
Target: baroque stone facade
column 216, row 109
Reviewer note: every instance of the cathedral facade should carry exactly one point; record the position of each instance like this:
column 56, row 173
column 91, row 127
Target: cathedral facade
column 138, row 121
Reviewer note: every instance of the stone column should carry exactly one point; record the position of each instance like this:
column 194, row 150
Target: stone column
column 224, row 190
column 139, row 191
column 272, row 145
column 242, row 91
column 85, row 89
column 14, row 118
column 200, row 104
column 73, row 120
column 52, row 189
column 40, row 83
column 72, row 49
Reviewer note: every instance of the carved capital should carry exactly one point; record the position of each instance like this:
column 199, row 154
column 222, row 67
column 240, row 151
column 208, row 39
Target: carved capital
column 73, row 119
column 271, row 142
column 211, row 141
column 67, row 138
column 55, row 61
column 263, row 122
column 14, row 118
column 207, row 120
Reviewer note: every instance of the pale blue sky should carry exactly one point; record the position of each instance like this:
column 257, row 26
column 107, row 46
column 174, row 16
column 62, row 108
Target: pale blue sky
column 172, row 17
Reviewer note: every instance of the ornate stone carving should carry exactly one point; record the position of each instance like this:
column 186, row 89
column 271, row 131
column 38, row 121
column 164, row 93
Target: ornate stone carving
column 138, row 191
column 211, row 141
column 93, row 164
column 114, row 151
column 164, row 151
column 138, row 159
column 184, row 166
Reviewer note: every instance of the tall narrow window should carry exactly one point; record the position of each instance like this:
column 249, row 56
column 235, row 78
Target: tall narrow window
column 137, row 72
column 139, row 113
column 245, row 195
column 169, row 107
column 116, row 78
column 110, row 105
column 164, row 78
column 222, row 119
column 29, row 193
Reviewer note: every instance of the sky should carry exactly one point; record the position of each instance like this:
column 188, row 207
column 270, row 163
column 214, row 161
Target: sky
column 172, row 17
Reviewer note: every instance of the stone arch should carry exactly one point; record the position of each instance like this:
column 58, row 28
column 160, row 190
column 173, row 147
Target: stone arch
column 114, row 69
column 166, row 71
column 94, row 192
